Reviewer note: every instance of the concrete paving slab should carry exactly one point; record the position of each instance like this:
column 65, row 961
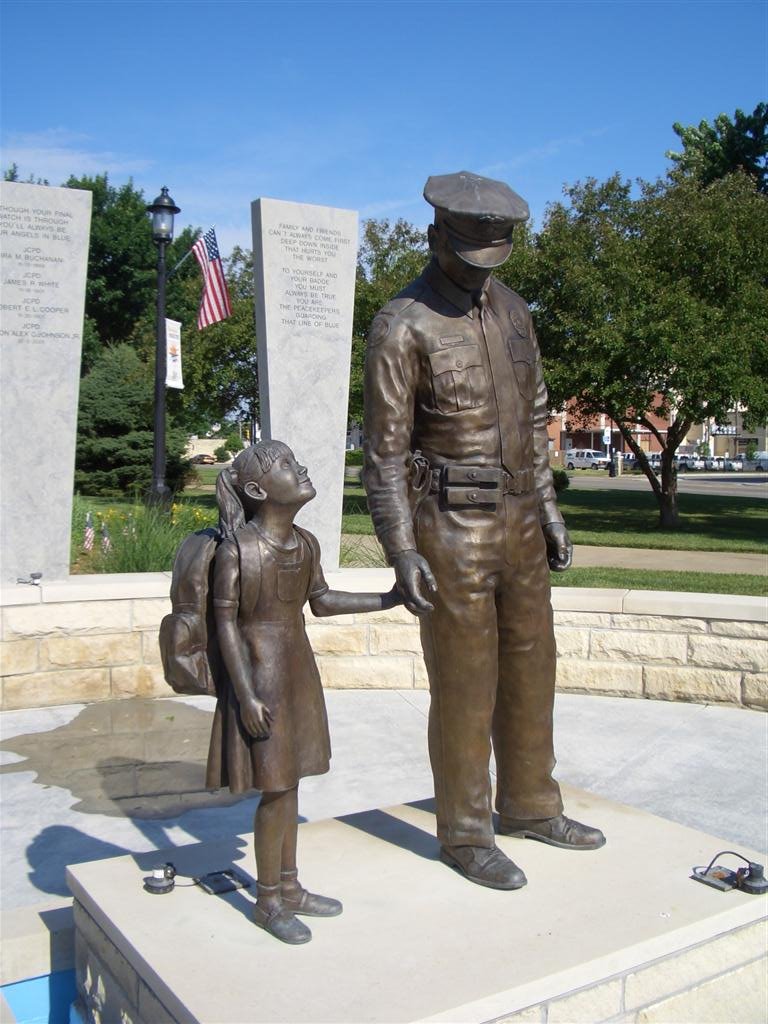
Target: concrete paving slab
column 670, row 561
column 702, row 766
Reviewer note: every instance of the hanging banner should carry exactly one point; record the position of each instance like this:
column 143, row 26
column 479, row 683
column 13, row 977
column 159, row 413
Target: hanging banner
column 173, row 354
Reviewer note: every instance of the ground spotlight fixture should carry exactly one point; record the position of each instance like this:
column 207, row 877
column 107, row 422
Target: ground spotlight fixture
column 749, row 879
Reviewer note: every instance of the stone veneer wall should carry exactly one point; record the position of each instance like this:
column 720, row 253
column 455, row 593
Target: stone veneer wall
column 94, row 638
column 719, row 979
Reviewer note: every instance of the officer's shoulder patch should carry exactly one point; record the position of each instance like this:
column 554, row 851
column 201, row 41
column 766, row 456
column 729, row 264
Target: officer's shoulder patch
column 387, row 319
column 379, row 329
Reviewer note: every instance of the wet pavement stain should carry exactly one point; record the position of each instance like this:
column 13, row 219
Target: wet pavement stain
column 137, row 758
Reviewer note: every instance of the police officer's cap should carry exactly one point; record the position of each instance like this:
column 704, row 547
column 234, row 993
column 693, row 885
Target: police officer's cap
column 479, row 214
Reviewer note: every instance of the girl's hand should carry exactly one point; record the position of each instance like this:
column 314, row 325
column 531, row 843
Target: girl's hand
column 256, row 717
column 391, row 599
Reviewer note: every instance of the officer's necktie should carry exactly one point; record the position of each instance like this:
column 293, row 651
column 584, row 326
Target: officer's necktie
column 504, row 385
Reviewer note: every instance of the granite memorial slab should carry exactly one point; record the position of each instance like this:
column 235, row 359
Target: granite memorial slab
column 44, row 234
column 304, row 259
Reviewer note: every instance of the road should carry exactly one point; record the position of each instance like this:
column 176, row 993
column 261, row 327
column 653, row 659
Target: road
column 730, row 485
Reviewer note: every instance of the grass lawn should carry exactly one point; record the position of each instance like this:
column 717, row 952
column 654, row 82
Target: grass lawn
column 206, row 477
column 628, row 519
column 602, row 518
column 651, row 579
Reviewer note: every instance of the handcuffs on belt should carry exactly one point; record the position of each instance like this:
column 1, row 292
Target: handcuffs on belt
column 464, row 485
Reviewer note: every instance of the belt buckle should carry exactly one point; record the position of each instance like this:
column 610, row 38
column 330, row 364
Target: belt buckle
column 518, row 482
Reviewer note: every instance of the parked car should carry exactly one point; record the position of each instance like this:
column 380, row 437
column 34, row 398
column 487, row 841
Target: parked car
column 203, row 460
column 733, row 465
column 586, row 458
column 761, row 461
column 714, row 462
column 691, row 462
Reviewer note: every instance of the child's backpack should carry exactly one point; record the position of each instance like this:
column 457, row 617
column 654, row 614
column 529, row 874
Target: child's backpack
column 188, row 646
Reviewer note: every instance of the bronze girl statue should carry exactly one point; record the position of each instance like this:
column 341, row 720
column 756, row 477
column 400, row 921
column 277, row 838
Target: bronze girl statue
column 270, row 727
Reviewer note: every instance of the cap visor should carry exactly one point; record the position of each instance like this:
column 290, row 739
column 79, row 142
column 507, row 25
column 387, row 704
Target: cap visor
column 486, row 257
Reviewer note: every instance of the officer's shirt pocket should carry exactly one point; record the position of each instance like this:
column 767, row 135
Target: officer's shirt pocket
column 523, row 360
column 459, row 380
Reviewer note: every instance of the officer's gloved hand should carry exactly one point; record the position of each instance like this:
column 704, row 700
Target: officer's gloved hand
column 410, row 571
column 559, row 547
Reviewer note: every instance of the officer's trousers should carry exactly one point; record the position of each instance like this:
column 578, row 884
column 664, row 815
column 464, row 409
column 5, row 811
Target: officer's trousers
column 489, row 648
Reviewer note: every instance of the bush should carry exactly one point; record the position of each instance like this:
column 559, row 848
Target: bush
column 353, row 458
column 234, row 444
column 560, row 479
column 141, row 539
column 751, row 452
column 221, row 454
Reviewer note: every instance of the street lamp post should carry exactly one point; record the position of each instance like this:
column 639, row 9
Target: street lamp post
column 162, row 210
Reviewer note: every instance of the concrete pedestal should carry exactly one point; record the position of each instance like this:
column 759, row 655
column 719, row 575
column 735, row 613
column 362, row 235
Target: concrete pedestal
column 620, row 934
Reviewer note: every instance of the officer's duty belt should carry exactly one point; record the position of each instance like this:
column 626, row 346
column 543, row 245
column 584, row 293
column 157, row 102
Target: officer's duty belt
column 478, row 485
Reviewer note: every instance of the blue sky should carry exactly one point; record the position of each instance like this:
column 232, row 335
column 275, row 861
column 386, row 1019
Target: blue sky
column 355, row 104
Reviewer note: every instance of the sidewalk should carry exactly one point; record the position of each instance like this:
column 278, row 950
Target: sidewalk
column 85, row 782
column 584, row 555
column 684, row 561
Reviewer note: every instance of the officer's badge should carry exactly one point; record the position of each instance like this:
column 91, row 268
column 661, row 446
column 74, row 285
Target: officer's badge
column 378, row 331
column 518, row 323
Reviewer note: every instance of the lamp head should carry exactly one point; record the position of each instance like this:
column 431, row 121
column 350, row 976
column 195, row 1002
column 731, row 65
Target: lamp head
column 162, row 211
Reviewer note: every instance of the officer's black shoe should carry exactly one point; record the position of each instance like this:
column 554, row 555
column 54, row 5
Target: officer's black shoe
column 484, row 866
column 559, row 831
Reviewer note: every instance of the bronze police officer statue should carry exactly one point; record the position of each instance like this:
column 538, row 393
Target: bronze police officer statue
column 461, row 495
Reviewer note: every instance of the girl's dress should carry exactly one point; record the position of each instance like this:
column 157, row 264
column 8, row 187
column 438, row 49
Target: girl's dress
column 269, row 586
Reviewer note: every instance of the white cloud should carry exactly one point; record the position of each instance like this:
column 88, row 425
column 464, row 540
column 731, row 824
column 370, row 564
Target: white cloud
column 389, row 206
column 57, row 153
column 548, row 149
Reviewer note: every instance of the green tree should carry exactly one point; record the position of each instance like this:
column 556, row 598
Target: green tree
column 115, row 428
column 122, row 262
column 11, row 173
column 219, row 362
column 711, row 151
column 655, row 305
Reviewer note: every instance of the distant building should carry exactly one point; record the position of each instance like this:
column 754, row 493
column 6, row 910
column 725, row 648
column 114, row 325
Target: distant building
column 566, row 430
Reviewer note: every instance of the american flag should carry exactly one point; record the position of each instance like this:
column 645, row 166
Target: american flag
column 214, row 305
column 106, row 543
column 90, row 533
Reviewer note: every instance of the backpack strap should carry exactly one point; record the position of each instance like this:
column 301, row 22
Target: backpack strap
column 250, row 580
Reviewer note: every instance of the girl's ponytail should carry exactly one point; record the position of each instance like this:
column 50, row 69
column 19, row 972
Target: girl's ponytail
column 231, row 511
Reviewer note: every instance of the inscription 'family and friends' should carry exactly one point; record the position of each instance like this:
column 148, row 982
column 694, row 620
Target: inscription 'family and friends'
column 310, row 297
